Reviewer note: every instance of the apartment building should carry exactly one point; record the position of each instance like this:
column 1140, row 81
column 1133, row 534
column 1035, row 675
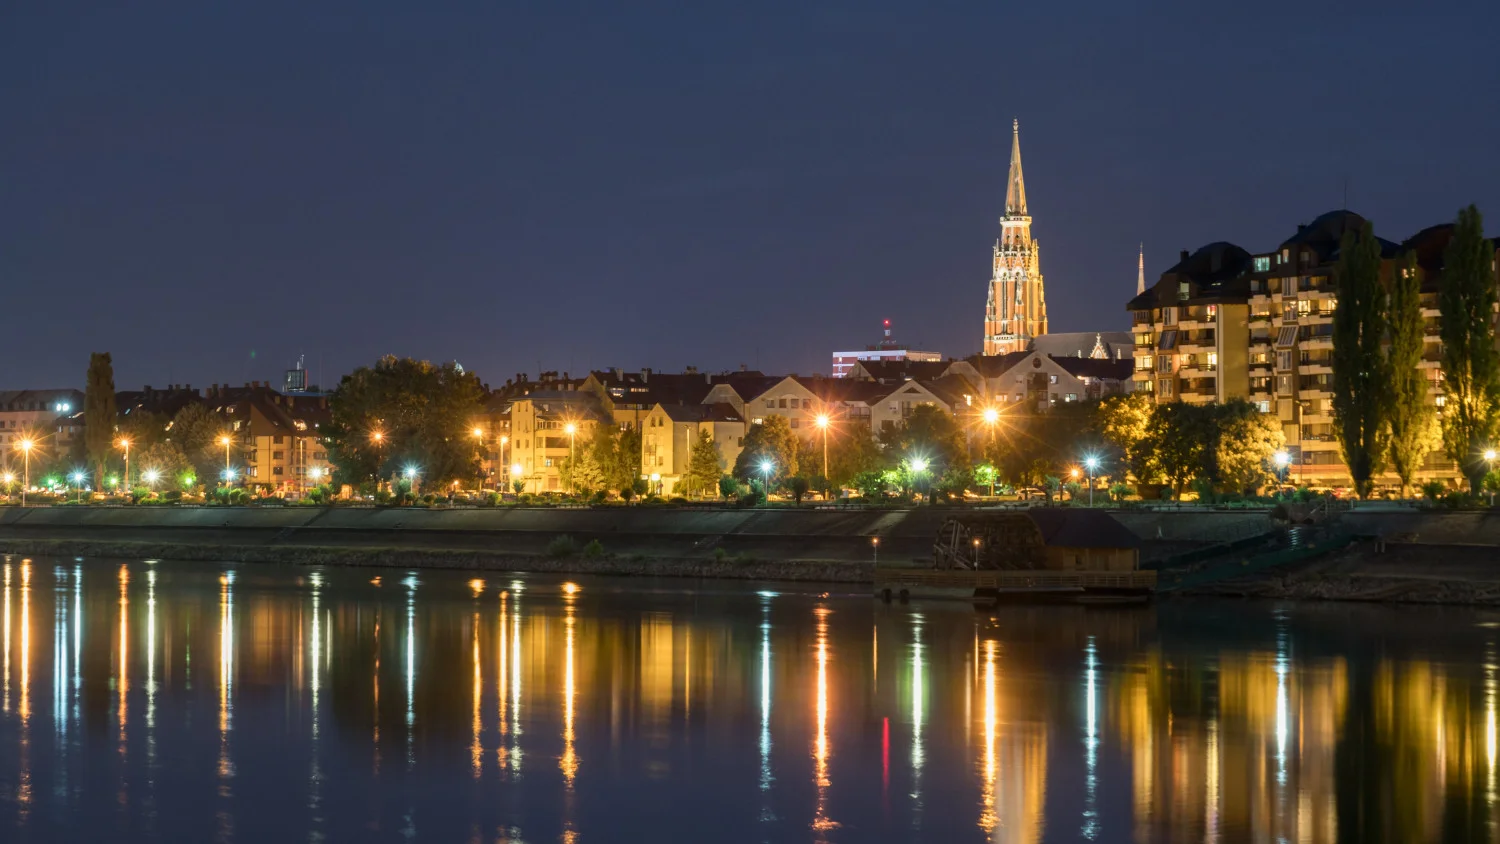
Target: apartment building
column 669, row 432
column 1225, row 323
column 48, row 418
column 545, row 423
column 277, row 439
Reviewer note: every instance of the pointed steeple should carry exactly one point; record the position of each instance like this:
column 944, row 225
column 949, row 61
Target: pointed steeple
column 1140, row 272
column 1015, row 189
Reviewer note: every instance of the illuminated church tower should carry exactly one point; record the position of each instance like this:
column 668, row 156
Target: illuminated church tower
column 1016, row 310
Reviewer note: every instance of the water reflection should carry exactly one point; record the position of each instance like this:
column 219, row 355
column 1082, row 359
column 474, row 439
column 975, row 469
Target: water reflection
column 721, row 714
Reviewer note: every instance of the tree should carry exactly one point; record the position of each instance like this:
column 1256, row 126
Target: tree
column 929, row 433
column 1124, row 422
column 728, row 487
column 194, row 430
column 167, row 461
column 1359, row 365
column 99, row 414
column 773, row 442
column 1412, row 423
column 582, row 473
column 704, row 467
column 853, row 452
column 143, row 429
column 626, row 470
column 1247, row 446
column 423, row 413
column 1471, row 366
column 797, row 486
column 1176, row 441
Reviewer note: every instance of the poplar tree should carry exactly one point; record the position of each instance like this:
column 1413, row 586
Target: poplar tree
column 1359, row 366
column 99, row 413
column 1412, row 422
column 1471, row 366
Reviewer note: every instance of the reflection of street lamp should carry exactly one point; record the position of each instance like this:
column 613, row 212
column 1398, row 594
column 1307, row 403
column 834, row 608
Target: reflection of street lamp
column 1093, row 465
column 822, row 423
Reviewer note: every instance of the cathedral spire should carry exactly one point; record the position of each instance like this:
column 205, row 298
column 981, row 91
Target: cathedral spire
column 1015, row 188
column 1140, row 272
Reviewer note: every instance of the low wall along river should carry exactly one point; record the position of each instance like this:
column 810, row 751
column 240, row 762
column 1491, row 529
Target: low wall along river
column 804, row 544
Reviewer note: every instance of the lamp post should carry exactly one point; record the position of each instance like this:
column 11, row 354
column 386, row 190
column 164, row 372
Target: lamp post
column 1282, row 460
column 150, row 476
column 517, row 471
column 503, row 441
column 1489, row 458
column 225, row 441
column 1093, row 465
column 25, row 446
column 378, row 438
column 411, row 480
column 124, row 443
column 571, row 429
column 78, row 482
column 478, row 433
column 766, row 467
column 991, row 417
column 918, row 467
column 822, row 423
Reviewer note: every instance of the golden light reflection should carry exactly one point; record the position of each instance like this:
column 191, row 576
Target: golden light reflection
column 226, row 679
column 569, row 762
column 918, row 688
column 821, row 821
column 476, row 586
column 987, row 817
column 475, row 761
column 7, row 639
column 124, row 679
column 23, row 786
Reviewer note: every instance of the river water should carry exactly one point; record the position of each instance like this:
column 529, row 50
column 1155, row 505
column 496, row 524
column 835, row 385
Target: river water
column 190, row 702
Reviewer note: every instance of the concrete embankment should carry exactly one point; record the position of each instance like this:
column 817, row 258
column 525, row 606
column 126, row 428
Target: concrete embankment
column 825, row 545
column 805, row 544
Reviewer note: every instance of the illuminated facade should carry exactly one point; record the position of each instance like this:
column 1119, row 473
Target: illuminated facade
column 1016, row 309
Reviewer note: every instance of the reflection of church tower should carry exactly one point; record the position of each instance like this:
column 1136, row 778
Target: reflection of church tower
column 1016, row 310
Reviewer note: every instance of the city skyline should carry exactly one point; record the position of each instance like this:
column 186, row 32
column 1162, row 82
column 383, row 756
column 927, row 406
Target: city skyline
column 292, row 183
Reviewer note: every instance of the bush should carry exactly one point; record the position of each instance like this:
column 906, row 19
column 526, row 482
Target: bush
column 1119, row 492
column 492, row 499
column 753, row 495
column 677, row 499
column 1433, row 490
column 562, row 546
column 728, row 487
column 1457, row 500
column 599, row 497
column 238, row 496
column 172, row 496
column 593, row 550
column 720, row 555
column 797, row 486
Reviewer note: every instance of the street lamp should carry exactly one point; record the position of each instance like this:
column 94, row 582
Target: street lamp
column 478, row 433
column 822, row 423
column 918, row 466
column 571, row 429
column 77, row 477
column 1282, row 460
column 766, row 468
column 1093, row 465
column 1489, row 458
column 25, row 446
column 225, row 441
column 150, row 476
column 124, row 443
column 516, row 471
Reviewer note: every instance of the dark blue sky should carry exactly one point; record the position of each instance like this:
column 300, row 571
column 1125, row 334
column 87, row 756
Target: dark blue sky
column 645, row 184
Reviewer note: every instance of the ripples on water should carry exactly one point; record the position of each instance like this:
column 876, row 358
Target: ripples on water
column 171, row 702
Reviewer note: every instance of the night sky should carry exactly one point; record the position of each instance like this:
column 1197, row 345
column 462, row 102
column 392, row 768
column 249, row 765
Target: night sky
column 515, row 185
